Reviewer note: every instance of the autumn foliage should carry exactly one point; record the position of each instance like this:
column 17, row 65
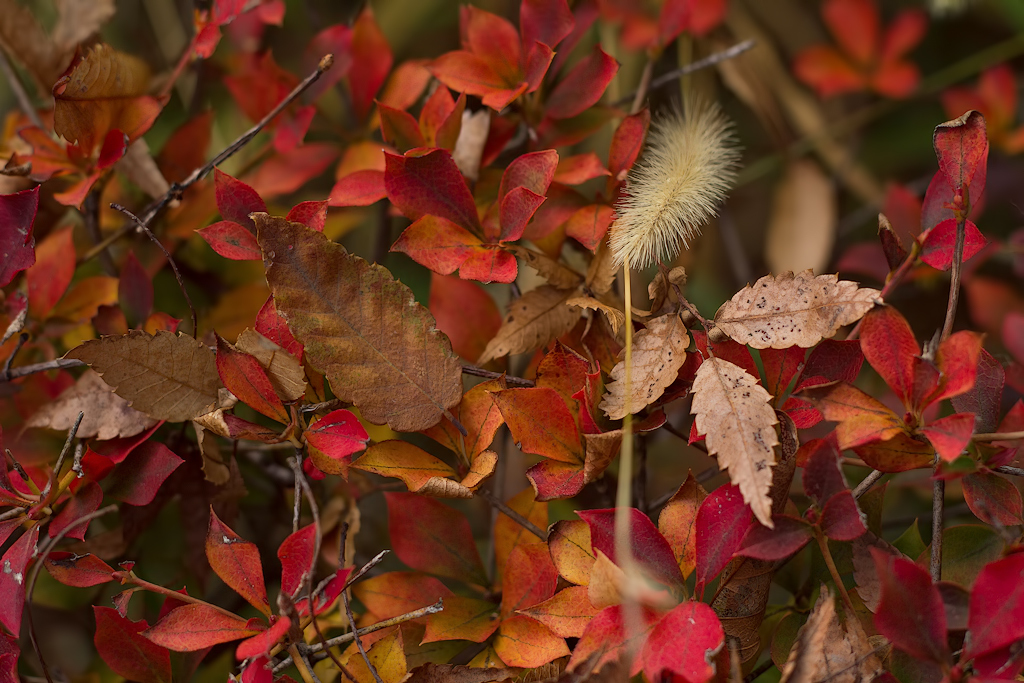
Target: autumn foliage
column 314, row 354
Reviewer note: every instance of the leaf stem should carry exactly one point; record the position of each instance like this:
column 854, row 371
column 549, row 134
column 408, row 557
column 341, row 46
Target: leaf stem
column 867, row 483
column 998, row 436
column 499, row 505
column 954, row 279
column 489, row 374
column 938, row 498
column 131, row 578
column 831, row 564
column 300, row 664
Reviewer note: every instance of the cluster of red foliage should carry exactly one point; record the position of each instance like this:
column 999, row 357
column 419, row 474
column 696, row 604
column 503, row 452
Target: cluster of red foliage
column 474, row 148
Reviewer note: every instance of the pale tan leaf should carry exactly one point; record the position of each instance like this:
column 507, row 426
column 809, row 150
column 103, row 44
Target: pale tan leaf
column 602, row 270
column 24, row 39
column 483, row 467
column 607, row 582
column 140, row 168
column 284, row 370
column 733, row 410
column 614, row 316
column 214, row 469
column 551, row 270
column 441, row 487
column 803, row 221
column 79, row 19
column 658, row 353
column 106, row 415
column 533, row 320
column 379, row 348
column 660, row 290
column 469, row 147
column 792, row 310
column 806, row 662
column 167, row 376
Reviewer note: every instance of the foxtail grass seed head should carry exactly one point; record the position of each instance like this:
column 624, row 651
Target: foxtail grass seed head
column 686, row 171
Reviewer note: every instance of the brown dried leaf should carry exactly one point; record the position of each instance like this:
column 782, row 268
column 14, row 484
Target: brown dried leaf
column 602, row 270
column 442, row 487
column 284, row 370
column 658, row 353
column 551, row 270
column 803, row 221
column 455, row 673
column 733, row 410
column 106, row 415
column 807, row 658
column 167, row 376
column 793, row 310
column 865, row 572
column 140, row 168
column 214, row 469
column 483, row 467
column 79, row 19
column 601, row 450
column 533, row 320
column 378, row 347
column 614, row 316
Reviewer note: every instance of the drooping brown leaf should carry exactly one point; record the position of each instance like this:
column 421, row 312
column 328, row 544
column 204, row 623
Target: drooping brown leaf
column 792, row 310
column 660, row 290
column 79, row 19
column 551, row 270
column 106, row 415
column 826, row 650
column 735, row 414
column 105, row 90
column 361, row 327
column 139, row 166
column 214, row 469
column 533, row 320
column 284, row 370
column 601, row 271
column 614, row 316
column 658, row 353
column 167, row 376
column 803, row 221
column 455, row 673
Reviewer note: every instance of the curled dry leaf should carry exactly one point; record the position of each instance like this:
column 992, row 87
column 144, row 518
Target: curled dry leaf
column 534, row 319
column 285, row 372
column 733, row 410
column 551, row 270
column 139, row 166
column 378, row 347
column 804, row 218
column 615, row 317
column 659, row 290
column 106, row 415
column 601, row 271
column 658, row 353
column 792, row 310
column 167, row 376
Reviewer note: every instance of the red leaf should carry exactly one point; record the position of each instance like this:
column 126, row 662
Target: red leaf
column 430, row 536
column 996, row 616
column 17, row 214
column 627, row 142
column 541, row 423
column 579, row 168
column 899, row 453
column 119, row 643
column 950, row 435
column 338, row 434
column 722, row 520
column 334, row 40
column 236, row 200
column 589, row 225
column 984, row 399
column 286, row 172
column 237, row 563
column 684, row 643
column 371, row 62
column 465, row 312
column 607, row 640
column 80, row 571
column 275, row 328
column 517, row 208
column 489, row 263
column 232, row 241
column 993, row 499
column 789, row 535
column 534, row 171
column 827, row 71
column 258, row 671
column 262, row 643
column 361, row 188
column 889, row 346
column 430, row 184
column 545, row 21
column 311, row 214
column 9, row 652
column 467, row 73
column 862, row 419
column 553, row 480
column 855, row 25
column 194, row 627
column 961, row 146
column 583, row 86
column 137, row 480
column 938, row 243
column 134, row 291
column 86, row 500
column 399, row 128
column 244, row 377
column 296, row 556
column 780, row 366
column 650, row 549
column 911, row 613
column 841, row 520
column 13, row 576
column 529, row 577
column 324, row 597
column 49, row 277
column 906, row 31
column 437, row 243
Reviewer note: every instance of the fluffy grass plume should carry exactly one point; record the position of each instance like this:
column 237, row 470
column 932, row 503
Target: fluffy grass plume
column 686, row 170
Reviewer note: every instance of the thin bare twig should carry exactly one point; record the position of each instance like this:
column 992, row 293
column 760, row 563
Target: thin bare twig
column 348, row 610
column 710, row 60
column 1006, row 469
column 868, row 482
column 998, row 436
column 24, row 101
column 63, row 454
column 938, row 499
column 170, row 260
column 177, row 189
column 56, row 364
column 5, row 375
column 512, row 514
column 489, row 374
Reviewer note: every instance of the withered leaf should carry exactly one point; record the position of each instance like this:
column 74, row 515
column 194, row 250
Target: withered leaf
column 378, row 347
column 733, row 410
column 614, row 316
column 793, row 310
column 658, row 353
column 551, row 270
column 106, row 415
column 139, row 166
column 214, row 469
column 167, row 376
column 284, row 370
column 456, row 673
column 803, row 221
column 601, row 271
column 533, row 320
